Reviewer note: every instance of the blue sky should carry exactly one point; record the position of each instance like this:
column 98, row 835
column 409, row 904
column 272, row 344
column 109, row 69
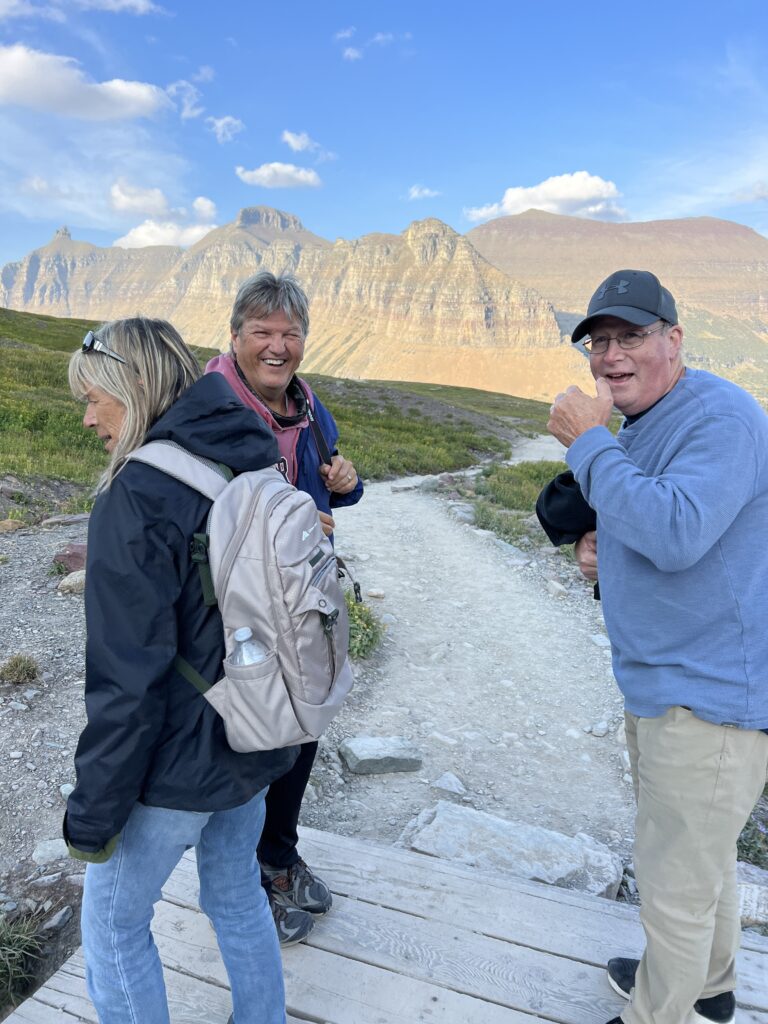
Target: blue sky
column 150, row 121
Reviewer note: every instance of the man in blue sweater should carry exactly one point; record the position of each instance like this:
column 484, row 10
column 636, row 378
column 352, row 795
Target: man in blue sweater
column 681, row 504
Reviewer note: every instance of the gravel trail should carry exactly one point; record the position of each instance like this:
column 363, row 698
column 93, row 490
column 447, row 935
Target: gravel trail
column 492, row 675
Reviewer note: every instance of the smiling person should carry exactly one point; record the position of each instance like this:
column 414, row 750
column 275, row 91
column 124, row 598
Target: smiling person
column 680, row 503
column 155, row 773
column 268, row 328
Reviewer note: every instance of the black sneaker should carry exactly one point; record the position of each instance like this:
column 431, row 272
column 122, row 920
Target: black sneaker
column 621, row 975
column 297, row 887
column 293, row 925
column 720, row 1009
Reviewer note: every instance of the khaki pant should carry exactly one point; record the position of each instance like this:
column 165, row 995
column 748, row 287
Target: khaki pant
column 695, row 784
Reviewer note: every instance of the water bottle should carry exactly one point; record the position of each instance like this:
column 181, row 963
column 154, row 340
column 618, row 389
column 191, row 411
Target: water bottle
column 247, row 650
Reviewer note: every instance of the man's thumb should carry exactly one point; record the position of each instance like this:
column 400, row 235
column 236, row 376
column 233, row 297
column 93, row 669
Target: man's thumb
column 603, row 388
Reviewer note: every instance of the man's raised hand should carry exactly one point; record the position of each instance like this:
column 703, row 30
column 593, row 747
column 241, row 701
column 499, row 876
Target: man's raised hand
column 573, row 413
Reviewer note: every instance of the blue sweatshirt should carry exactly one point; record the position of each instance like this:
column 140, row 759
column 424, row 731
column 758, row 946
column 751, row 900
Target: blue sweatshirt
column 681, row 497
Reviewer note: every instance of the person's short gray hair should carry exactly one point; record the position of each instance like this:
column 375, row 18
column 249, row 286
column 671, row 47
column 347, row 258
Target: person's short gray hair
column 266, row 293
column 158, row 369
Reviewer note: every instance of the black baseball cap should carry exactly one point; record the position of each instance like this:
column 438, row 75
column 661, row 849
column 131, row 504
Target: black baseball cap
column 636, row 296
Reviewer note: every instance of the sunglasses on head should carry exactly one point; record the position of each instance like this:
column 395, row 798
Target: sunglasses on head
column 92, row 343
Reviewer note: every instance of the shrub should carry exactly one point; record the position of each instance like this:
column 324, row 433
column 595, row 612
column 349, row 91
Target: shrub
column 365, row 630
column 517, row 487
column 19, row 948
column 19, row 668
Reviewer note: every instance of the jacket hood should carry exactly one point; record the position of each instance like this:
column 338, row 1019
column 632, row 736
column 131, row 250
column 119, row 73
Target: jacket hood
column 209, row 420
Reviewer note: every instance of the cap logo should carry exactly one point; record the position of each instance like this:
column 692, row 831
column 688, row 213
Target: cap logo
column 621, row 288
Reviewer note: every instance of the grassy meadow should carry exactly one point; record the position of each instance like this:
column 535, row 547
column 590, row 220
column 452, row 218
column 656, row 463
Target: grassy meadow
column 386, row 429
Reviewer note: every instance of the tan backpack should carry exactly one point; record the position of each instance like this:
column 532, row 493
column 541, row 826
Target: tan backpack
column 265, row 561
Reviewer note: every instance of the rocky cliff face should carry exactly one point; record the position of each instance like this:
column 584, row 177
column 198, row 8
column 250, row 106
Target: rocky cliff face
column 423, row 305
column 712, row 264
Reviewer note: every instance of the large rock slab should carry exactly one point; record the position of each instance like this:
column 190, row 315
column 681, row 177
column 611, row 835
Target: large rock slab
column 753, row 894
column 482, row 840
column 370, row 755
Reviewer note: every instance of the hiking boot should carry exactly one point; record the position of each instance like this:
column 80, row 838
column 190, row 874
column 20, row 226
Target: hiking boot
column 720, row 1009
column 293, row 925
column 297, row 887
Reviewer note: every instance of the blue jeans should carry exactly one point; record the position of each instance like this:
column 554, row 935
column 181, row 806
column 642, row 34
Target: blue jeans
column 123, row 969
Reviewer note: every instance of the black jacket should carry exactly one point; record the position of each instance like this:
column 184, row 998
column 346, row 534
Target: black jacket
column 150, row 736
column 564, row 513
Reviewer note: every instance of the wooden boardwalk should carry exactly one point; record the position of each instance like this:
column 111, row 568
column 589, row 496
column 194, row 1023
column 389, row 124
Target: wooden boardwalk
column 410, row 939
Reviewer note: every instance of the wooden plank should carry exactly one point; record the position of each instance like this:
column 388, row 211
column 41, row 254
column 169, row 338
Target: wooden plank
column 532, row 915
column 64, row 999
column 355, row 867
column 450, row 958
column 323, row 986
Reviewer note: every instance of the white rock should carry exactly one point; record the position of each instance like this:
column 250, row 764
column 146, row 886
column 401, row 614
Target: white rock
column 375, row 593
column 16, row 755
column 556, row 589
column 600, row 640
column 450, row 783
column 600, row 729
column 50, row 850
column 388, row 619
column 371, row 755
column 66, row 789
column 458, row 833
column 573, row 734
column 74, row 583
column 447, row 741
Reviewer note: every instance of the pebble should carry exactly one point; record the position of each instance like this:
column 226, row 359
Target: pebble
column 16, row 705
column 600, row 640
column 16, row 755
column 378, row 594
column 600, row 729
column 66, row 789
column 556, row 589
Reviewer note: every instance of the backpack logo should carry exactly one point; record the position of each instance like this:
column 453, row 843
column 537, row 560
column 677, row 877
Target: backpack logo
column 621, row 288
column 306, row 533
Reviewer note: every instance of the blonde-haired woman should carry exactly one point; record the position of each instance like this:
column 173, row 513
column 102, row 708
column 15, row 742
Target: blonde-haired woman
column 155, row 774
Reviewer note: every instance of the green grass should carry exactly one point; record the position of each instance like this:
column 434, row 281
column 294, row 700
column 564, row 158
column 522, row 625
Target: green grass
column 517, row 487
column 365, row 630
column 19, row 949
column 528, row 416
column 19, row 668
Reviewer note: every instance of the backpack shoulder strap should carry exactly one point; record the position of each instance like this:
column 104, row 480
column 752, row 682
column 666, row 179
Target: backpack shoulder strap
column 209, row 478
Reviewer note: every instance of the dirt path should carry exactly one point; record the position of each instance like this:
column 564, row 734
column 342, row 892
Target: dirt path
column 493, row 677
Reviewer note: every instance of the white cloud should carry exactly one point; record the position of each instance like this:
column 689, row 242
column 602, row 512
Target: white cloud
column 45, row 81
column 352, row 54
column 277, row 175
column 120, row 6
column 188, row 96
column 345, row 33
column 299, row 141
column 421, row 192
column 23, row 9
column 204, row 208
column 167, row 232
column 204, row 73
column 224, row 128
column 383, row 38
column 127, row 198
column 56, row 11
column 579, row 195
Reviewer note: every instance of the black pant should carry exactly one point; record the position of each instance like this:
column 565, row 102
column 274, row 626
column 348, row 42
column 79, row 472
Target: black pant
column 277, row 846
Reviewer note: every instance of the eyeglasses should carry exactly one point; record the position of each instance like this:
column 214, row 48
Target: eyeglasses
column 626, row 340
column 91, row 343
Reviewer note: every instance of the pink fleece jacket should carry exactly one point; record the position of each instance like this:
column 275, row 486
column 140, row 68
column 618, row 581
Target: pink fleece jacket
column 287, row 437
